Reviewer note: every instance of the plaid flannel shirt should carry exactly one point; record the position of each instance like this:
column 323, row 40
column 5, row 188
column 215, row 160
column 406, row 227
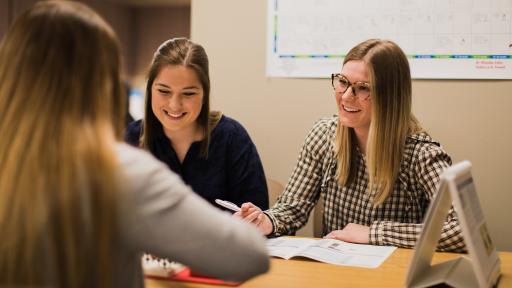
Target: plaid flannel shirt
column 396, row 222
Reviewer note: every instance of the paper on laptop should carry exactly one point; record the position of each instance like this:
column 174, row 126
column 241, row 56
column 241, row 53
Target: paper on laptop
column 330, row 251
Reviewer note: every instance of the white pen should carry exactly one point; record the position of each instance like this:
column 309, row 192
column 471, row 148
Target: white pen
column 227, row 204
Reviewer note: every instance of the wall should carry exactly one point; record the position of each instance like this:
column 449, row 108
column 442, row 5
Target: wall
column 5, row 6
column 121, row 19
column 154, row 25
column 140, row 28
column 470, row 118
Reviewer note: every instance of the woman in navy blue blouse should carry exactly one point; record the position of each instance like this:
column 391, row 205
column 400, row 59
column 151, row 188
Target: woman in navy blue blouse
column 211, row 152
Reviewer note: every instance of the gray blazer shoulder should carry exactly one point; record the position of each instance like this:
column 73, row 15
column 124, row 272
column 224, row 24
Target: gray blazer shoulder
column 161, row 215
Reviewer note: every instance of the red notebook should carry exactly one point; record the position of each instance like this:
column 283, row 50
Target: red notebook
column 186, row 275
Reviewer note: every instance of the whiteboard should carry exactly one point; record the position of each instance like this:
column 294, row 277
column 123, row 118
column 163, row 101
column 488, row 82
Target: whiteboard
column 443, row 39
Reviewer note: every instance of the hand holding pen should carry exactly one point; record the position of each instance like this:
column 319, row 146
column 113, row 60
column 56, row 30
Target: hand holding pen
column 251, row 214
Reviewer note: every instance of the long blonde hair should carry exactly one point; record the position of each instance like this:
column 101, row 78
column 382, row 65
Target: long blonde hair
column 392, row 119
column 61, row 111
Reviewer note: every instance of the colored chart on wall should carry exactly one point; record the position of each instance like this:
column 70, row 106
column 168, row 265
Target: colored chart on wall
column 443, row 39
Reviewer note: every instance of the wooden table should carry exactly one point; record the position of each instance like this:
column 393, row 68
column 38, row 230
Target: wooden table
column 306, row 273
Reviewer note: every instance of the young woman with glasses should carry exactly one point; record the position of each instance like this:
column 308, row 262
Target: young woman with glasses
column 373, row 164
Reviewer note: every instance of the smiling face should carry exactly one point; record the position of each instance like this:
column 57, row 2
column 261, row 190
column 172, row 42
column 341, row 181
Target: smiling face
column 177, row 99
column 354, row 112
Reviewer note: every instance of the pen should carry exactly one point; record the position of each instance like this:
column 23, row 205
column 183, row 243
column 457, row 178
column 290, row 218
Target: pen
column 227, row 204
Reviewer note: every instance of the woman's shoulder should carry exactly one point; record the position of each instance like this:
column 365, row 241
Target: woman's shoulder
column 132, row 132
column 323, row 129
column 132, row 157
column 229, row 127
column 135, row 126
column 326, row 124
column 422, row 146
column 421, row 140
column 228, row 132
column 140, row 170
column 320, row 139
column 227, row 123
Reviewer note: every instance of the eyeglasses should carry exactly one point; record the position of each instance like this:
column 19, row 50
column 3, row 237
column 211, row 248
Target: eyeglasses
column 361, row 90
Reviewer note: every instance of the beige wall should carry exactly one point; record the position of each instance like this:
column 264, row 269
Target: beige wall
column 470, row 118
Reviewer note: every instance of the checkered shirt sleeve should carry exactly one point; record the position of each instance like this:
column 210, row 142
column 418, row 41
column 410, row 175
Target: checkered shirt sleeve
column 428, row 162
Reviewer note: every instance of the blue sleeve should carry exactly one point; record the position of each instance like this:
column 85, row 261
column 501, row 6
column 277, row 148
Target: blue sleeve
column 132, row 133
column 246, row 178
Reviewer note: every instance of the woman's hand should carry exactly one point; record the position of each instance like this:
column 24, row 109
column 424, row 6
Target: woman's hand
column 354, row 233
column 253, row 214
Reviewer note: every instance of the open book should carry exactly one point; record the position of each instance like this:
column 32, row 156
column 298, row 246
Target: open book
column 329, row 251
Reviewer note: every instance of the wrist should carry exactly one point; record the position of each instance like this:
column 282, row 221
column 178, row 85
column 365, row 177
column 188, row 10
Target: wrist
column 266, row 228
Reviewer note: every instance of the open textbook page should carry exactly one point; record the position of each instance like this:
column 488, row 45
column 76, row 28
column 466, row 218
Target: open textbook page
column 329, row 251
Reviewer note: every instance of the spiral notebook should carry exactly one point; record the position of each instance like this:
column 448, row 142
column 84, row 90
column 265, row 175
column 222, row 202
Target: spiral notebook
column 163, row 269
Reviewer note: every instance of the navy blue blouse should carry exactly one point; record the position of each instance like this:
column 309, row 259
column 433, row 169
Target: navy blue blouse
column 232, row 171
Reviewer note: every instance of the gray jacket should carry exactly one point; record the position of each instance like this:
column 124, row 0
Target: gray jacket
column 160, row 215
